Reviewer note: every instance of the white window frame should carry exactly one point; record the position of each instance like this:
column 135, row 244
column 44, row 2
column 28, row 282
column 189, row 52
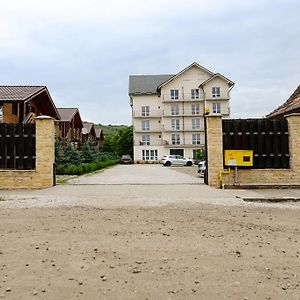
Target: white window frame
column 196, row 123
column 174, row 109
column 175, row 124
column 174, row 94
column 145, row 111
column 195, row 94
column 145, row 125
column 195, row 109
column 216, row 107
column 216, row 92
column 149, row 154
column 175, row 139
column 196, row 138
column 145, row 139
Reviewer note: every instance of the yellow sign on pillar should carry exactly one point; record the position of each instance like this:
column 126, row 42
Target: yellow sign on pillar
column 238, row 158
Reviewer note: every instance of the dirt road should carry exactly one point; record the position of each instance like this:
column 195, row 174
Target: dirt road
column 178, row 250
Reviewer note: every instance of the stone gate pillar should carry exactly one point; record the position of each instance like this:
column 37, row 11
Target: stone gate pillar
column 214, row 139
column 45, row 151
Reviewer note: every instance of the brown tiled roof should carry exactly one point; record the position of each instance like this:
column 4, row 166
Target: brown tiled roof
column 19, row 93
column 88, row 126
column 66, row 114
column 98, row 132
column 291, row 105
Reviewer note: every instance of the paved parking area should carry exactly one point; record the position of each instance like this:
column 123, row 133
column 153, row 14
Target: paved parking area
column 142, row 174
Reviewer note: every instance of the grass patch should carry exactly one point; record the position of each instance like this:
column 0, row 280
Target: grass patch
column 2, row 199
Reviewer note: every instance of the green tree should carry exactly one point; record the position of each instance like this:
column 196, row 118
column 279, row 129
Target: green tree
column 123, row 141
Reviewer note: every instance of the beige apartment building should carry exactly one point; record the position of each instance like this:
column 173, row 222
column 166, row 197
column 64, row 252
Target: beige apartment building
column 167, row 110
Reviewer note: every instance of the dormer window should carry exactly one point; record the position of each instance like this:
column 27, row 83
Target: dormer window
column 174, row 94
column 216, row 92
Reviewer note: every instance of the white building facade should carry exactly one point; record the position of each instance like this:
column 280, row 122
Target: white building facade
column 167, row 111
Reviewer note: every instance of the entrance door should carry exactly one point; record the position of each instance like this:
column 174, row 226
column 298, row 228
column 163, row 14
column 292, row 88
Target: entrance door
column 177, row 152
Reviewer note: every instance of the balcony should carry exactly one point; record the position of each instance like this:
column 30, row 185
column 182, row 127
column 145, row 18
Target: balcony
column 186, row 97
column 222, row 96
column 145, row 114
column 168, row 144
column 147, row 130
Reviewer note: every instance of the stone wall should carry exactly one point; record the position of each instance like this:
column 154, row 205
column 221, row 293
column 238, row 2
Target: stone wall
column 42, row 176
column 274, row 177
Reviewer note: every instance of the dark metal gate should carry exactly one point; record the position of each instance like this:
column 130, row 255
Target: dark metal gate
column 17, row 146
column 267, row 138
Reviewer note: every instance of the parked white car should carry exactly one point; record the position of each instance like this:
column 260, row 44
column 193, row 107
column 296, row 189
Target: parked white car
column 176, row 160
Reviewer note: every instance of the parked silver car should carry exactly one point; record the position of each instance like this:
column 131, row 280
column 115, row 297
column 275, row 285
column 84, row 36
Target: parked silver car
column 176, row 160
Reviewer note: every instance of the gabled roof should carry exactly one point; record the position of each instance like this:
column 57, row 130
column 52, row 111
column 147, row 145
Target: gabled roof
column 146, row 84
column 230, row 83
column 194, row 64
column 66, row 114
column 88, row 126
column 98, row 132
column 151, row 84
column 19, row 93
column 9, row 93
column 290, row 106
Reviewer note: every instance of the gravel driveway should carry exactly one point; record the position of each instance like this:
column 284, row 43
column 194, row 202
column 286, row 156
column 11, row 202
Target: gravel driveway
column 142, row 174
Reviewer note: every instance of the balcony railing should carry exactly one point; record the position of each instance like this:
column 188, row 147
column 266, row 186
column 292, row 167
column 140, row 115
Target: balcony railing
column 222, row 95
column 193, row 98
column 146, row 114
column 181, row 97
column 168, row 144
column 149, row 129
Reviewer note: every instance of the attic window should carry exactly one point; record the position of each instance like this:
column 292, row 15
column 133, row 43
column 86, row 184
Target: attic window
column 216, row 92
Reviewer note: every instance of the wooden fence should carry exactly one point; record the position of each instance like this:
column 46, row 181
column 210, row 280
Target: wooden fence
column 17, row 146
column 268, row 139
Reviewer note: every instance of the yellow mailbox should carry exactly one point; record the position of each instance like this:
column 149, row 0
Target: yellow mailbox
column 239, row 158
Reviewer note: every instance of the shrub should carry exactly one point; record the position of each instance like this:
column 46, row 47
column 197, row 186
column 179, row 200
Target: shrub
column 84, row 167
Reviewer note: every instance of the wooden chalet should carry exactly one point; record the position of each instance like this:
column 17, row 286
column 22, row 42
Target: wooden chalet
column 99, row 137
column 88, row 132
column 292, row 105
column 21, row 104
column 70, row 125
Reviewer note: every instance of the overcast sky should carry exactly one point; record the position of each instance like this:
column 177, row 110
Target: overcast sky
column 84, row 50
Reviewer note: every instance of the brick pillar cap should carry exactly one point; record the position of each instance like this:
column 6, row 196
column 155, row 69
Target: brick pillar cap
column 214, row 115
column 44, row 118
column 292, row 115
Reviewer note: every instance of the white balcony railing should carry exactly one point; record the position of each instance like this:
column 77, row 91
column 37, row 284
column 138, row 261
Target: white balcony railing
column 146, row 114
column 181, row 97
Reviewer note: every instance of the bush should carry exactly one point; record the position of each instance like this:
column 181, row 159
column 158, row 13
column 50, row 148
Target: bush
column 84, row 167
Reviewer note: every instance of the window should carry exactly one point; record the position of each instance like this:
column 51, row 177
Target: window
column 145, row 125
column 145, row 139
column 145, row 111
column 149, row 154
column 27, row 108
column 175, row 139
column 195, row 93
column 196, row 139
column 195, row 109
column 175, row 124
column 14, row 108
column 174, row 94
column 174, row 109
column 195, row 123
column 216, row 92
column 216, row 107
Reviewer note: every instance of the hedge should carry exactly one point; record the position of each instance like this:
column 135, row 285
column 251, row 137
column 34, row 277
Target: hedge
column 85, row 167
